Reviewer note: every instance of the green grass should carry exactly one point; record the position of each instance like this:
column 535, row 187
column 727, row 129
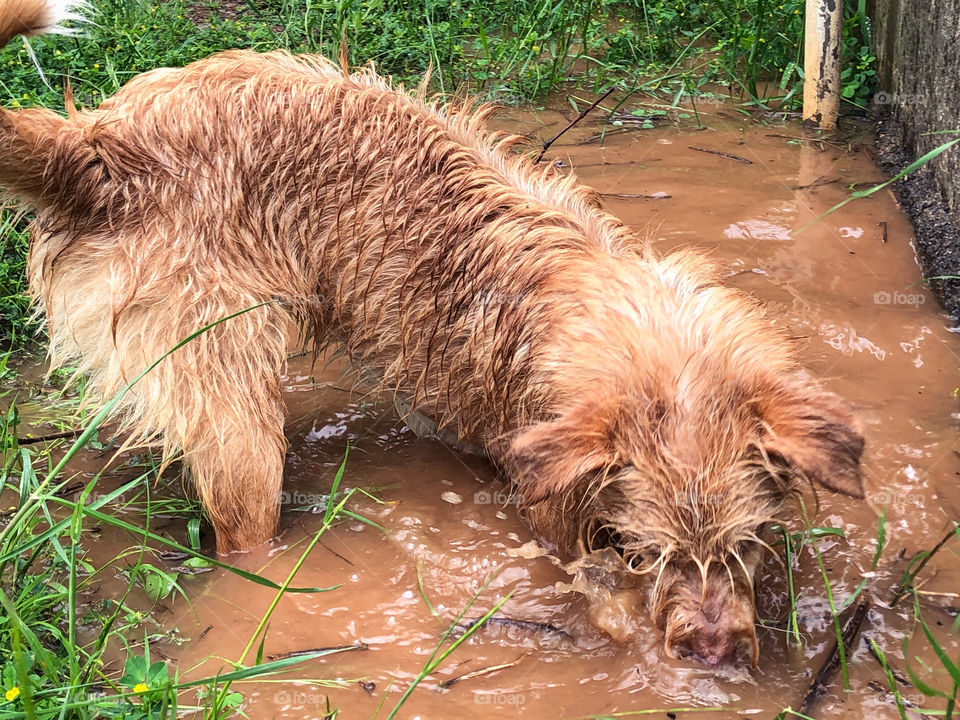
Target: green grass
column 15, row 325
column 47, row 668
column 50, row 667
column 516, row 50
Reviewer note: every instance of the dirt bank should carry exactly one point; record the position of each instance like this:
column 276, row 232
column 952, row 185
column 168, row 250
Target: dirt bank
column 937, row 230
column 918, row 82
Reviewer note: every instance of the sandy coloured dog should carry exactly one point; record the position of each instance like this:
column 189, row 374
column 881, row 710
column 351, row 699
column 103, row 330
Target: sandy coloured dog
column 632, row 399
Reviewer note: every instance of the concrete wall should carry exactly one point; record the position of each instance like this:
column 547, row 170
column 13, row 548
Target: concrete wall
column 917, row 43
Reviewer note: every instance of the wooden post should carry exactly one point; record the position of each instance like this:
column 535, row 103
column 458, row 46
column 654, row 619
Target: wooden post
column 821, row 63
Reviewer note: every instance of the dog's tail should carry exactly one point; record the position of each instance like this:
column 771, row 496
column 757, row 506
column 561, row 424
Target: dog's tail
column 35, row 17
column 27, row 136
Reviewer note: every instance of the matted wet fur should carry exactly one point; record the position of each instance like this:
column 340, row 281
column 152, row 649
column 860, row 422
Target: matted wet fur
column 633, row 399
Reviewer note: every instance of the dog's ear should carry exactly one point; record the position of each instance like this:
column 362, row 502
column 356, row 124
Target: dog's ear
column 817, row 436
column 549, row 458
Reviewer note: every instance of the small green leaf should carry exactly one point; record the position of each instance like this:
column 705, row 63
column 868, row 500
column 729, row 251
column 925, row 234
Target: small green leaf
column 232, row 700
column 157, row 674
column 157, row 583
column 134, row 671
column 197, row 562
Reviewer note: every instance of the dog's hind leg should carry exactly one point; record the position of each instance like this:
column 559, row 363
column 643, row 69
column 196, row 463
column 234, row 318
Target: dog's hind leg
column 218, row 399
column 230, row 415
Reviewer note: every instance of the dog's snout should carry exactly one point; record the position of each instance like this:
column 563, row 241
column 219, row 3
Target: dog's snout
column 723, row 641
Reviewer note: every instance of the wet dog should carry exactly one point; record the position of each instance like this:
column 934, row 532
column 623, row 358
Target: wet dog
column 633, row 399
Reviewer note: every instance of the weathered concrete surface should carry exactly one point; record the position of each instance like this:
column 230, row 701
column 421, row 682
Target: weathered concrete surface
column 918, row 93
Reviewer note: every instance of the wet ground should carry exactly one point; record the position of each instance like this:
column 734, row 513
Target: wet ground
column 849, row 289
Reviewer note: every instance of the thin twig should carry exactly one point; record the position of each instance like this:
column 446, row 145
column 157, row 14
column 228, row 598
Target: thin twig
column 51, row 436
column 581, row 116
column 819, row 182
column 636, row 196
column 906, row 581
column 334, row 553
column 830, row 664
column 310, row 651
column 480, row 673
column 721, row 154
column 521, row 624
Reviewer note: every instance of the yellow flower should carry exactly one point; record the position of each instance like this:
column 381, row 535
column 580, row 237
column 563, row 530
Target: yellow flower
column 12, row 694
column 140, row 688
column 16, row 104
column 96, row 66
column 536, row 48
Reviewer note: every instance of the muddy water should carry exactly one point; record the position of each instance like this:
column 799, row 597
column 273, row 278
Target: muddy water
column 866, row 327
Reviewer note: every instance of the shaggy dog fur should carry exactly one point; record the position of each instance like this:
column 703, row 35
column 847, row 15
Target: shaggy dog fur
column 632, row 399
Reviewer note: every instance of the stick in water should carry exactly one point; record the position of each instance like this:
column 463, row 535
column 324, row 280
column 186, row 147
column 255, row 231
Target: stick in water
column 581, row 116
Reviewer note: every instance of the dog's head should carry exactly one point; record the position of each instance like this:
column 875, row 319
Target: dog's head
column 683, row 482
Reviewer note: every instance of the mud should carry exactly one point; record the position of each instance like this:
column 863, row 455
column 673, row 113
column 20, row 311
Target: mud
column 864, row 323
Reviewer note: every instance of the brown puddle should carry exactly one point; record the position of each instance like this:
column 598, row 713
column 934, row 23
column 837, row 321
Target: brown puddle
column 867, row 327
